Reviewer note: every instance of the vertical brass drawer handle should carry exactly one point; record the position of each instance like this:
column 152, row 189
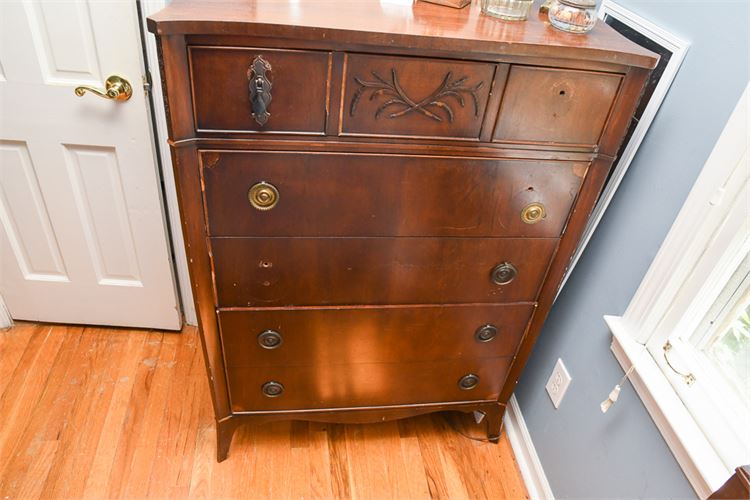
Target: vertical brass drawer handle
column 263, row 196
column 485, row 333
column 272, row 389
column 533, row 213
column 270, row 339
column 468, row 382
column 503, row 273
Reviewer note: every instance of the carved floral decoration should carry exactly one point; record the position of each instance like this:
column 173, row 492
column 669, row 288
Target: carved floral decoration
column 400, row 104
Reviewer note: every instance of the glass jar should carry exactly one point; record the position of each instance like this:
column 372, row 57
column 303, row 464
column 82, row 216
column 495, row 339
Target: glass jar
column 574, row 16
column 510, row 10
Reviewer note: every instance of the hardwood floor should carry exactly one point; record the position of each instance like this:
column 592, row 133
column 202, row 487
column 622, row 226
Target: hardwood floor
column 108, row 413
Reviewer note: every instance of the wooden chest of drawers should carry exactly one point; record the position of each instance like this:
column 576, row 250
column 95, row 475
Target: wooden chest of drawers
column 380, row 199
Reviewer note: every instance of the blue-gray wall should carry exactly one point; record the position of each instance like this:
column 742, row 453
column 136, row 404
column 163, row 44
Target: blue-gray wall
column 586, row 454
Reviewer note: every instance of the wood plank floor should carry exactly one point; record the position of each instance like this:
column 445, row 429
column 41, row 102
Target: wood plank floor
column 108, row 413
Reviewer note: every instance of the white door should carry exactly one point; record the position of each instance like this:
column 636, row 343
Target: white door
column 82, row 237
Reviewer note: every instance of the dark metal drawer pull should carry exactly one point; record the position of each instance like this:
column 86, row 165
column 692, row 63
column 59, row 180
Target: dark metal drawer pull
column 468, row 382
column 485, row 333
column 270, row 339
column 259, row 86
column 272, row 389
column 504, row 273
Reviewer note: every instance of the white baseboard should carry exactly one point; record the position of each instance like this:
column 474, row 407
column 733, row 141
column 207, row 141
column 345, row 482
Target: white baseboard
column 523, row 448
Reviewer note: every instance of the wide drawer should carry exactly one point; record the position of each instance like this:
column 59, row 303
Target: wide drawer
column 324, row 271
column 373, row 335
column 371, row 384
column 416, row 97
column 222, row 78
column 374, row 195
column 544, row 105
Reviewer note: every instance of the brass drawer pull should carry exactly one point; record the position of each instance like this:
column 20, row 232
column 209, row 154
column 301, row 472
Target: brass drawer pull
column 485, row 333
column 504, row 273
column 468, row 382
column 270, row 339
column 272, row 389
column 263, row 196
column 533, row 213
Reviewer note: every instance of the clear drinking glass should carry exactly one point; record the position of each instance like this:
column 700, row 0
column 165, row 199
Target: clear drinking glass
column 574, row 16
column 510, row 10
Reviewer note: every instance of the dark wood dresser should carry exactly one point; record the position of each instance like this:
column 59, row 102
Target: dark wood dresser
column 380, row 198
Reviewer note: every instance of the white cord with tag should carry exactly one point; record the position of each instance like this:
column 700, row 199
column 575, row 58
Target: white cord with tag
column 612, row 399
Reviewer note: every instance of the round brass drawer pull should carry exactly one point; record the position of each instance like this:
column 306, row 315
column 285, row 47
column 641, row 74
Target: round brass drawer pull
column 504, row 273
column 263, row 196
column 468, row 382
column 533, row 213
column 485, row 333
column 270, row 339
column 272, row 389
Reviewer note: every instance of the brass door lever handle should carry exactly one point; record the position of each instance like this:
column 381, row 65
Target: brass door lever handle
column 116, row 88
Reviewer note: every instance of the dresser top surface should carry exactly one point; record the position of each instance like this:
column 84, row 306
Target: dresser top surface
column 397, row 23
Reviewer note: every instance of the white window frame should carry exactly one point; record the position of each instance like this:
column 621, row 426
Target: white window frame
column 684, row 279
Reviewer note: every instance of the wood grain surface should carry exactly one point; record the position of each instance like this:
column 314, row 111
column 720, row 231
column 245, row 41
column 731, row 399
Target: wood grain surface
column 321, row 336
column 220, row 89
column 105, row 413
column 386, row 195
column 371, row 385
column 437, row 106
column 405, row 140
column 411, row 25
column 543, row 105
column 323, row 271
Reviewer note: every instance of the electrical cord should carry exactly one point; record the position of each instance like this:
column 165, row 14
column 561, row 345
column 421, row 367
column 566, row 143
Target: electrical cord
column 449, row 420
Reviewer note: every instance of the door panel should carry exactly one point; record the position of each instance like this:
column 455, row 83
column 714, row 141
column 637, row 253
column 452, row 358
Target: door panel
column 24, row 216
column 83, row 237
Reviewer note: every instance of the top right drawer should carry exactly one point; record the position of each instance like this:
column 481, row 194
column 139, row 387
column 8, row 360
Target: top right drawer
column 555, row 106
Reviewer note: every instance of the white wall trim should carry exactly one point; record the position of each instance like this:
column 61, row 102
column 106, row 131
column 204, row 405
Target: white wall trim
column 679, row 48
column 162, row 149
column 708, row 204
column 711, row 226
column 5, row 320
column 523, row 448
column 699, row 461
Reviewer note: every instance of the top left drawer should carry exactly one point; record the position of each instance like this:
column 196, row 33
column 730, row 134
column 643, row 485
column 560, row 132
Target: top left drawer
column 233, row 89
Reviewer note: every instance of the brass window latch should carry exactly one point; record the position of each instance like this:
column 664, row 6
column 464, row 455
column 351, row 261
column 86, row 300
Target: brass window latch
column 688, row 377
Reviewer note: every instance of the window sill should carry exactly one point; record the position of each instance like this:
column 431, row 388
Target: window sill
column 702, row 466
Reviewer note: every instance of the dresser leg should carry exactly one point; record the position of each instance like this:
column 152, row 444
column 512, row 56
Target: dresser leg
column 224, row 432
column 494, row 423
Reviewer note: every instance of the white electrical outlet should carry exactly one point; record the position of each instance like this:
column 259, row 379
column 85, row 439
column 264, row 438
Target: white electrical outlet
column 558, row 383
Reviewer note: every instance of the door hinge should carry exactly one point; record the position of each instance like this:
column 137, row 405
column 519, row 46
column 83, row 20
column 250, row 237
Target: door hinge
column 147, row 84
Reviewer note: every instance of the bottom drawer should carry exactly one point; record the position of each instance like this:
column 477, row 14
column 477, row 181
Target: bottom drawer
column 373, row 384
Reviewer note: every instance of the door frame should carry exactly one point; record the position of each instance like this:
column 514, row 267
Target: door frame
column 164, row 158
column 5, row 320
